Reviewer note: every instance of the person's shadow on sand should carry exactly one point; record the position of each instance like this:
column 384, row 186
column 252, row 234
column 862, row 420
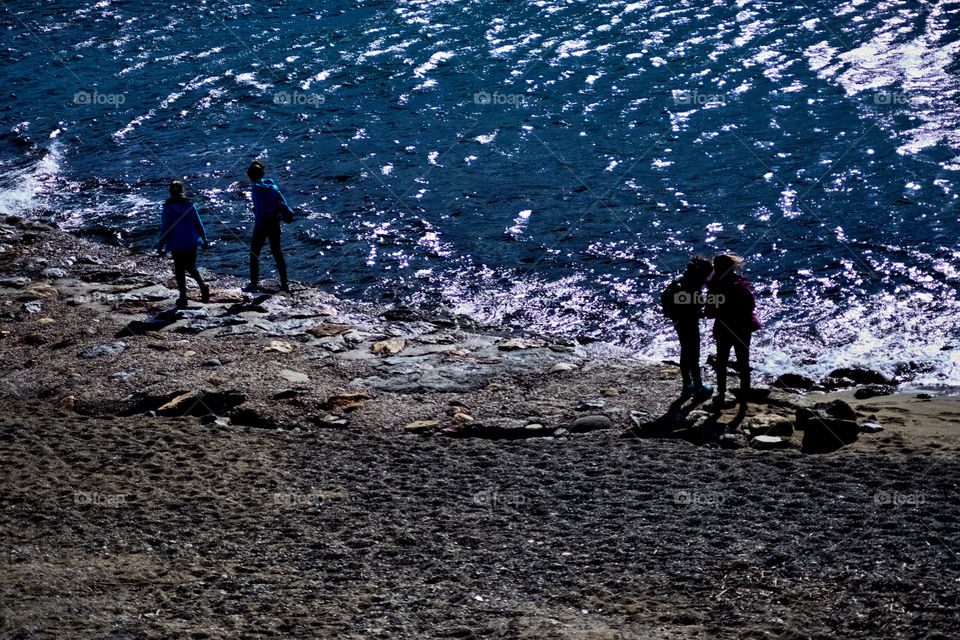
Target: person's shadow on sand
column 698, row 429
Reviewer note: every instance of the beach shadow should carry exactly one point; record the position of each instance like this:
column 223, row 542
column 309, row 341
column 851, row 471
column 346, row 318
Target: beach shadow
column 153, row 323
column 700, row 428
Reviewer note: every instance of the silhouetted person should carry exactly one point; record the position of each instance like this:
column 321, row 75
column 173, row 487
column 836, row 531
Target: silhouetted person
column 182, row 232
column 730, row 302
column 682, row 303
column 269, row 207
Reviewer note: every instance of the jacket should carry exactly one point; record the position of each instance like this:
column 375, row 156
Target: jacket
column 181, row 226
column 732, row 304
column 267, row 201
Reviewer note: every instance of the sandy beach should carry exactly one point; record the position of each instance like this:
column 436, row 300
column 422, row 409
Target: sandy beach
column 297, row 466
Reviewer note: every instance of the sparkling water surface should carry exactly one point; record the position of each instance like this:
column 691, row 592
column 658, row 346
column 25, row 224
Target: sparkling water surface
column 543, row 165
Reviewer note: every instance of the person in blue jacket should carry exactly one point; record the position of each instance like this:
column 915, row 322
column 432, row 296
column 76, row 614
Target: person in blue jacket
column 182, row 232
column 269, row 206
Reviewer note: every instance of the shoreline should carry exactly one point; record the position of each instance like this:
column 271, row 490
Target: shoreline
column 300, row 466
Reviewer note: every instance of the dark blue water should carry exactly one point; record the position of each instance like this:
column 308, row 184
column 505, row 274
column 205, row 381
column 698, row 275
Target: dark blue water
column 547, row 165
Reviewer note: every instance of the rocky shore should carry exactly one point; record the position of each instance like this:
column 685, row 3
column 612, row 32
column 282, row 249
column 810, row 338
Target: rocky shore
column 293, row 465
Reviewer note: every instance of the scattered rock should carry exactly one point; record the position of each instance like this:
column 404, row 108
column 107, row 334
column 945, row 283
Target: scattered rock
column 199, row 403
column 38, row 291
column 279, row 347
column 329, row 421
column 250, row 417
column 345, row 402
column 33, row 339
column 105, row 350
column 923, row 396
column 769, row 442
column 769, row 425
column 212, row 362
column 590, row 423
column 610, row 392
column 294, row 376
column 33, row 307
column 823, row 434
column 53, row 273
column 732, row 441
column 860, row 375
column 389, row 347
column 873, row 390
column 14, row 283
column 515, row 344
column 286, row 394
column 793, row 381
column 67, row 403
column 327, row 329
column 497, row 429
column 590, row 405
column 422, row 426
column 870, row 427
column 562, row 367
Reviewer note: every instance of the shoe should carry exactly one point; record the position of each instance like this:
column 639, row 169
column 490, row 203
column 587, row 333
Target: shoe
column 182, row 303
column 205, row 294
column 250, row 287
column 702, row 392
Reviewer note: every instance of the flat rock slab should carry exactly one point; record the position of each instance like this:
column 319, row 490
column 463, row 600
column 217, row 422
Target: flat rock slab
column 294, row 376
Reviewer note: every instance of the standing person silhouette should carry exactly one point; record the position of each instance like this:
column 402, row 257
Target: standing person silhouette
column 269, row 206
column 682, row 303
column 182, row 232
column 731, row 303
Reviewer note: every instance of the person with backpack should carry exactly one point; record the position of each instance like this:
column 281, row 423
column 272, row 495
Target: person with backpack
column 682, row 303
column 182, row 232
column 731, row 303
column 269, row 208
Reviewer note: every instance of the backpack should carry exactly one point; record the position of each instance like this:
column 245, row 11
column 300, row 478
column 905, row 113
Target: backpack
column 668, row 300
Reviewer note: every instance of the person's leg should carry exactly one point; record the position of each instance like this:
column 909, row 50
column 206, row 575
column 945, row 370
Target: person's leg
column 256, row 244
column 179, row 272
column 723, row 356
column 741, row 347
column 278, row 254
column 689, row 353
column 190, row 264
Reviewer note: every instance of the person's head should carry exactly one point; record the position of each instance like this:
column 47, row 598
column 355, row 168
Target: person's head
column 176, row 189
column 256, row 170
column 698, row 270
column 725, row 265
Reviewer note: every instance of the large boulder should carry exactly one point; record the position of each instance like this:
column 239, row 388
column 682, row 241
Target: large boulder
column 823, row 433
column 860, row 375
column 793, row 381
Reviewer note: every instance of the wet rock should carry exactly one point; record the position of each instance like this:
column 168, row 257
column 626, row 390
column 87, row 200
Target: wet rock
column 584, row 424
column 294, row 376
column 33, row 307
column 516, row 344
column 108, row 350
column 870, row 427
column 15, row 282
column 793, row 381
column 769, row 442
column 53, row 273
column 388, row 347
column 873, row 390
column 860, row 375
column 562, row 367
